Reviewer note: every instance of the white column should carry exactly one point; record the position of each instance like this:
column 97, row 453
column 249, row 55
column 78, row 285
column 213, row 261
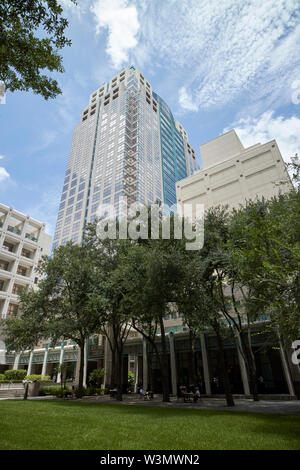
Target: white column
column 286, row 371
column 136, row 374
column 173, row 364
column 16, row 361
column 61, row 360
column 243, row 368
column 44, row 369
column 30, row 363
column 145, row 365
column 85, row 362
column 205, row 365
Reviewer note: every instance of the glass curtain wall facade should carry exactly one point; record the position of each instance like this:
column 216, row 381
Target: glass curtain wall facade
column 126, row 144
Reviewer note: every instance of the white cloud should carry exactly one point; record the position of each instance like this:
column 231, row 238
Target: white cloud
column 286, row 131
column 4, row 175
column 223, row 49
column 121, row 20
column 186, row 101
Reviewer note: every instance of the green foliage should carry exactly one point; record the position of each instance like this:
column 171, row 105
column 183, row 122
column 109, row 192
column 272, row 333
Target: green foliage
column 95, row 377
column 31, row 34
column 64, row 307
column 15, row 374
column 38, row 378
column 130, row 378
column 55, row 390
column 2, row 377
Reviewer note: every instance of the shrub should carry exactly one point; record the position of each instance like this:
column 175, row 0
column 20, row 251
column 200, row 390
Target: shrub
column 101, row 391
column 2, row 377
column 38, row 378
column 62, row 393
column 130, row 378
column 79, row 393
column 15, row 374
column 51, row 390
column 95, row 377
column 90, row 391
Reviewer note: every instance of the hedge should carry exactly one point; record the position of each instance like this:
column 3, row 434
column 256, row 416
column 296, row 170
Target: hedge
column 38, row 378
column 15, row 374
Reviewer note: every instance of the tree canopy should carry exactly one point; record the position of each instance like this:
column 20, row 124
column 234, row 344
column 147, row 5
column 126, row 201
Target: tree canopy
column 31, row 34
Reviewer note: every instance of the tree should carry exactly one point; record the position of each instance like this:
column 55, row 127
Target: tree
column 108, row 255
column 152, row 274
column 267, row 249
column 31, row 34
column 64, row 306
column 199, row 302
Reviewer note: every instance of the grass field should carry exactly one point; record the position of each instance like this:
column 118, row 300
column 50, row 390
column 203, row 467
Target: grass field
column 78, row 425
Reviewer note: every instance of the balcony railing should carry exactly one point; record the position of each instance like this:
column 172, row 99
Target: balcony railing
column 31, row 237
column 14, row 230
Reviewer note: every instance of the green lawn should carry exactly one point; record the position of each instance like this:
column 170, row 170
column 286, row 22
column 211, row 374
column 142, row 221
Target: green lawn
column 77, row 425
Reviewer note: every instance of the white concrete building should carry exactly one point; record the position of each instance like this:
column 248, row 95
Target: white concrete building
column 232, row 174
column 23, row 242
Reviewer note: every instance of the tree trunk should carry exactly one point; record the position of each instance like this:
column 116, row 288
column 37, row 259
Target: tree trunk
column 26, row 391
column 252, row 364
column 228, row 393
column 164, row 362
column 192, row 359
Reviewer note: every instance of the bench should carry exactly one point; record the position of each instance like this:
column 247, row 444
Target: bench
column 188, row 397
column 148, row 395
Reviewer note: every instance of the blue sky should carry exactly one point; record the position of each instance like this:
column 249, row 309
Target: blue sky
column 218, row 64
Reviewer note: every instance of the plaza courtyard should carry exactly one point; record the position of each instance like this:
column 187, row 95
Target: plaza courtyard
column 81, row 425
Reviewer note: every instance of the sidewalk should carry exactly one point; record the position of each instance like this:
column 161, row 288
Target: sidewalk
column 291, row 407
column 284, row 407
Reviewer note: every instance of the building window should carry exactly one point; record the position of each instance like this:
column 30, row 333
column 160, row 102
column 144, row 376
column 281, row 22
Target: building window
column 12, row 309
column 22, row 270
column 16, row 289
column 4, row 265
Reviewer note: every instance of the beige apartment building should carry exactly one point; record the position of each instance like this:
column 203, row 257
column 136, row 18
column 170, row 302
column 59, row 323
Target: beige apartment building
column 23, row 242
column 232, row 174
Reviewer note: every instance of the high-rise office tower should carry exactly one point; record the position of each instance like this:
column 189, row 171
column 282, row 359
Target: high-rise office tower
column 126, row 144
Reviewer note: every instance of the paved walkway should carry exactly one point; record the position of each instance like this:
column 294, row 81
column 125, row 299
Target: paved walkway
column 286, row 407
column 241, row 404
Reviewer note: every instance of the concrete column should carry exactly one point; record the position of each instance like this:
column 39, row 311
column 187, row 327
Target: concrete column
column 286, row 371
column 242, row 367
column 145, row 365
column 30, row 363
column 61, row 360
column 44, row 369
column 205, row 365
column 136, row 374
column 107, row 364
column 16, row 361
column 86, row 347
column 76, row 379
column 173, row 364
